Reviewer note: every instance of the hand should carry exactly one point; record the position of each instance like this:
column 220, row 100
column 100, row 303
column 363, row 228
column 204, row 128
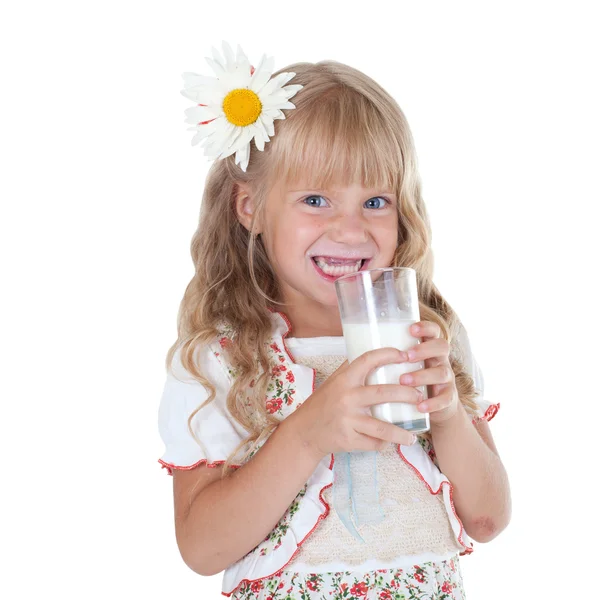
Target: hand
column 337, row 417
column 442, row 396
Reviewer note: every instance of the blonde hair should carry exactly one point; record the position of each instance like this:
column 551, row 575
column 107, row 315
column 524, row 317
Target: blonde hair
column 345, row 128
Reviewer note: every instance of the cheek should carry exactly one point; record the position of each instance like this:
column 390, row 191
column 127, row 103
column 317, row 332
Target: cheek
column 387, row 235
column 285, row 239
column 298, row 233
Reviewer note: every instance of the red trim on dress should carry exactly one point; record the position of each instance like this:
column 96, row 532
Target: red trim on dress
column 278, row 572
column 489, row 414
column 169, row 467
column 285, row 334
column 468, row 549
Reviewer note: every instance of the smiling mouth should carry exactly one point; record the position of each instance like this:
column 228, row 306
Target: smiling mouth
column 333, row 272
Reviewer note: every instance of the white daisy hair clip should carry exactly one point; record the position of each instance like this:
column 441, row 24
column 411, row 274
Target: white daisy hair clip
column 236, row 106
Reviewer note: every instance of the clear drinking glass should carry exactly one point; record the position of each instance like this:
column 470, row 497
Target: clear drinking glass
column 377, row 308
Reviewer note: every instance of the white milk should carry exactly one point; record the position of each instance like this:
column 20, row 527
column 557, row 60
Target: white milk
column 363, row 337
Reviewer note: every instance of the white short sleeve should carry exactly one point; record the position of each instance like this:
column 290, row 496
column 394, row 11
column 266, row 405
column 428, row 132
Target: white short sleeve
column 213, row 425
column 487, row 409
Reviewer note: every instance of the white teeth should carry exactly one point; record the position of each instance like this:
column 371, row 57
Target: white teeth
column 337, row 270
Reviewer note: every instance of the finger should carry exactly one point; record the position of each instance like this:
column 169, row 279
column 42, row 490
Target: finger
column 429, row 349
column 362, row 366
column 382, row 430
column 366, row 443
column 443, row 373
column 425, row 329
column 435, row 403
column 343, row 366
column 384, row 392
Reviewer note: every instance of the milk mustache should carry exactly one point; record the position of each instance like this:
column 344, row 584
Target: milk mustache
column 362, row 337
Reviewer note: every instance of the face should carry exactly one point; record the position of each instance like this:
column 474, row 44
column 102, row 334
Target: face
column 301, row 224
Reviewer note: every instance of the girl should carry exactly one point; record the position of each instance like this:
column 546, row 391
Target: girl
column 258, row 380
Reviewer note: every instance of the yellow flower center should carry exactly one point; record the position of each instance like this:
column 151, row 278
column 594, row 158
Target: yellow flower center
column 242, row 107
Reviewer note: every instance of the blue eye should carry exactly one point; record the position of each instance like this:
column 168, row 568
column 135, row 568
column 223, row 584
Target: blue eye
column 383, row 201
column 310, row 197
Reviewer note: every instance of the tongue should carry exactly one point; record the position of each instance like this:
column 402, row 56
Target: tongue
column 337, row 261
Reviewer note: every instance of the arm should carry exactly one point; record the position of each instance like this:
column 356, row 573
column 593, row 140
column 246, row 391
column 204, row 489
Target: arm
column 468, row 456
column 231, row 516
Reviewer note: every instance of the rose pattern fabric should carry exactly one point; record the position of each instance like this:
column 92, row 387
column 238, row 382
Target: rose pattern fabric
column 427, row 581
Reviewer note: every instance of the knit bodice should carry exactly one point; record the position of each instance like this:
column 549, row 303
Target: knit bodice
column 415, row 523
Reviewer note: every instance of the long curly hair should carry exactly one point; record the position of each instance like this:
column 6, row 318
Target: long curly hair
column 345, row 127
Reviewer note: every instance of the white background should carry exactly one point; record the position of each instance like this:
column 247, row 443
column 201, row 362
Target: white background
column 100, row 192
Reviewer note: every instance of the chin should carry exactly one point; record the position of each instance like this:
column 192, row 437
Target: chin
column 325, row 298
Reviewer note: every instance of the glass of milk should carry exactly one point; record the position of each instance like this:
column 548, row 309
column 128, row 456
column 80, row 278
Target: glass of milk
column 377, row 308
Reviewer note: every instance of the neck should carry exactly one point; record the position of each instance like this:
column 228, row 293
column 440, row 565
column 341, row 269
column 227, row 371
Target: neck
column 316, row 322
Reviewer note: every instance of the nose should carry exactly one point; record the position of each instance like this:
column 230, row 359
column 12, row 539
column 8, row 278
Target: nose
column 349, row 228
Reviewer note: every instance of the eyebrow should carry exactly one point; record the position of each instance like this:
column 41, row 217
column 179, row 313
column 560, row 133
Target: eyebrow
column 369, row 191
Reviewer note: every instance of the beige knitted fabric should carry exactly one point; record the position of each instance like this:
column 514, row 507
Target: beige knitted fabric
column 415, row 521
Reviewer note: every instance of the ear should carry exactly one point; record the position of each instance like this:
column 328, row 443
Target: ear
column 244, row 206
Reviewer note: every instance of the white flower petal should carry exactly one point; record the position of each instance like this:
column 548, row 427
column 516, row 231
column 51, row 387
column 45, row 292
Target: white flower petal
column 286, row 105
column 228, row 54
column 216, row 67
column 193, row 96
column 259, row 142
column 278, row 93
column 239, row 132
column 226, row 60
column 262, row 73
column 292, row 90
column 230, row 135
column 247, row 134
column 214, row 145
column 216, row 97
column 215, row 107
column 238, row 79
column 273, row 113
column 199, row 114
column 261, row 137
column 242, row 157
column 204, row 131
column 225, row 139
column 242, row 59
column 217, row 58
column 268, row 124
column 229, row 151
column 276, row 82
column 274, row 101
column 198, row 93
column 283, row 78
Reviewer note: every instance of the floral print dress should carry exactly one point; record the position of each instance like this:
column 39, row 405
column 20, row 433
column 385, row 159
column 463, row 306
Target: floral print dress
column 430, row 580
column 440, row 580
